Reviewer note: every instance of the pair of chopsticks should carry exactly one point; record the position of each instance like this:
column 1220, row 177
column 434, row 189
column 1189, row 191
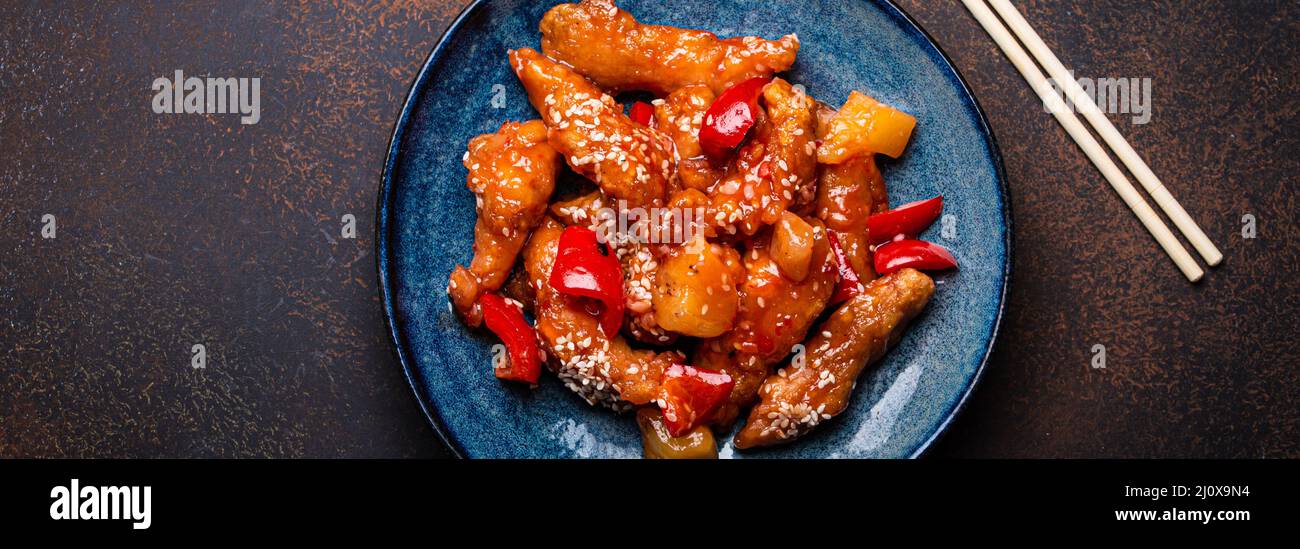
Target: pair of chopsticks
column 1089, row 144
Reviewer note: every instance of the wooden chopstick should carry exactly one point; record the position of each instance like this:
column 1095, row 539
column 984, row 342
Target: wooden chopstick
column 1083, row 102
column 1085, row 140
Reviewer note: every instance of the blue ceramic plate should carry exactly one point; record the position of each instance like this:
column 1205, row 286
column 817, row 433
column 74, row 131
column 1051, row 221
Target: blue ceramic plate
column 426, row 219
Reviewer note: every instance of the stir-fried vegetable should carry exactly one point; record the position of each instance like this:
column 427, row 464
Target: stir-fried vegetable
column 730, row 117
column 908, row 220
column 865, row 126
column 917, row 254
column 582, row 270
column 689, row 396
column 507, row 321
column 850, row 284
column 658, row 443
column 641, row 113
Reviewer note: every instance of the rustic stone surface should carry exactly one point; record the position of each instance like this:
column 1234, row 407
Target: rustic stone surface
column 176, row 230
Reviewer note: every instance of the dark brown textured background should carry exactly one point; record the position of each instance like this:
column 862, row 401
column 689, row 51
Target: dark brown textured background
column 176, row 230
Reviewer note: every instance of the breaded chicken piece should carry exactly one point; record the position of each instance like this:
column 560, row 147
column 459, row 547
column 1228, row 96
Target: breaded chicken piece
column 512, row 173
column 680, row 116
column 582, row 210
column 774, row 170
column 601, row 370
column 518, row 288
column 847, row 194
column 644, row 258
column 640, row 266
column 775, row 314
column 797, row 398
column 607, row 45
column 626, row 160
column 791, row 146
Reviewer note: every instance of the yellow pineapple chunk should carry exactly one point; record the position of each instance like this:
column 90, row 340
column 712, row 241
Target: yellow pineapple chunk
column 865, row 126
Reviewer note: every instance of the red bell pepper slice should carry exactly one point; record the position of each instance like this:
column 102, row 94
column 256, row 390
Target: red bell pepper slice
column 849, row 284
column 909, row 219
column 641, row 113
column 730, row 116
column 917, row 254
column 690, row 396
column 508, row 323
column 582, row 270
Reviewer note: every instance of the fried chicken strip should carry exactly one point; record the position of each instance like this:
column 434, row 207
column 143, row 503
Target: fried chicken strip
column 847, row 194
column 583, row 210
column 775, row 314
column 607, row 45
column 626, row 160
column 601, row 370
column 774, row 170
column 512, row 173
column 679, row 116
column 797, row 398
column 790, row 146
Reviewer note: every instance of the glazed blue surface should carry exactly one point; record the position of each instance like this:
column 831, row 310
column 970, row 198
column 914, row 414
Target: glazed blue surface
column 426, row 217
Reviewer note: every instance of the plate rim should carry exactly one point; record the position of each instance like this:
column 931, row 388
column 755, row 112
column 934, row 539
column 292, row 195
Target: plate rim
column 383, row 227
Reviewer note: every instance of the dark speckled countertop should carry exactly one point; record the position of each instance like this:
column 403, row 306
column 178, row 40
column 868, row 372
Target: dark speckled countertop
column 181, row 230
